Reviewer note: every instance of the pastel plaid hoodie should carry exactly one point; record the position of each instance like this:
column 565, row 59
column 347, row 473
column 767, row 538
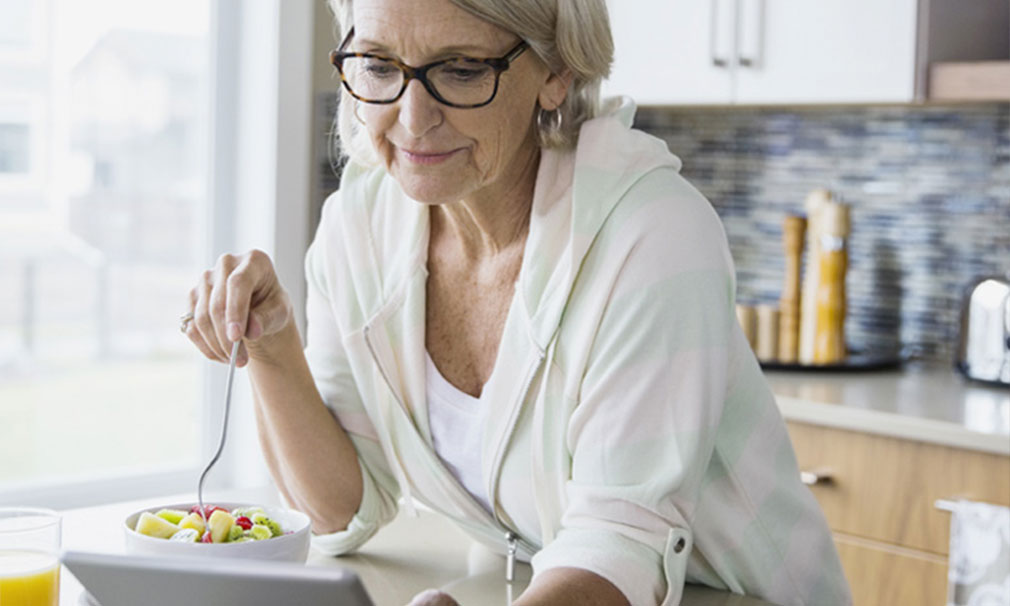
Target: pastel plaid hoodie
column 630, row 430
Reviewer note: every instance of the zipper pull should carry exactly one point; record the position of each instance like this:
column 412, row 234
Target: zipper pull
column 510, row 560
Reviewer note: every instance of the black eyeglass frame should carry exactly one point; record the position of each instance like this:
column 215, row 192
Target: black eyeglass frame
column 420, row 73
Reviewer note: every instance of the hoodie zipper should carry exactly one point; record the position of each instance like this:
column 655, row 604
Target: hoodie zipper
column 512, row 540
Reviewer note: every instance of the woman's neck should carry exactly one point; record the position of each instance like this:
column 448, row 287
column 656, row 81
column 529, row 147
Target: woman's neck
column 494, row 220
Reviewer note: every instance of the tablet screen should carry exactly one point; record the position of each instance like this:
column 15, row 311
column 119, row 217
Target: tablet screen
column 119, row 580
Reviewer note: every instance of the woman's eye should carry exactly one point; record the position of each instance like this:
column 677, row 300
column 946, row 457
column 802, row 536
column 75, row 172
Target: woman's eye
column 464, row 73
column 380, row 69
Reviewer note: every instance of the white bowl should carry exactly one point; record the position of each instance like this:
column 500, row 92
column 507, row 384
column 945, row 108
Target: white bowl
column 293, row 546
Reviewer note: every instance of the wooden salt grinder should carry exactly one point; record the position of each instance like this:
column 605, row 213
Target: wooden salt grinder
column 767, row 347
column 793, row 230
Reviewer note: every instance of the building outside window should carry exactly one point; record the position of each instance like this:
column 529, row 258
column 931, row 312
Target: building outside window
column 105, row 117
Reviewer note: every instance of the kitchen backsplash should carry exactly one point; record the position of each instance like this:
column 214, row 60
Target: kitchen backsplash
column 929, row 189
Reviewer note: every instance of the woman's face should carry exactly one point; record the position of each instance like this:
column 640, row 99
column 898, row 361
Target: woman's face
column 440, row 154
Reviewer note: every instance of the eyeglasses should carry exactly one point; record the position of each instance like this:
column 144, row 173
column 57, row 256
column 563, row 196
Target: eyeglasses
column 462, row 82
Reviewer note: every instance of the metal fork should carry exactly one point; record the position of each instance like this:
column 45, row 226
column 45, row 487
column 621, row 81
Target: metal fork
column 224, row 430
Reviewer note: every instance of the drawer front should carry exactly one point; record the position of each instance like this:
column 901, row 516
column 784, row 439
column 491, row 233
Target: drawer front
column 881, row 575
column 885, row 488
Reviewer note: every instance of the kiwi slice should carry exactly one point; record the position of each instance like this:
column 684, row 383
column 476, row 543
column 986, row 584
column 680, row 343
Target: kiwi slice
column 262, row 519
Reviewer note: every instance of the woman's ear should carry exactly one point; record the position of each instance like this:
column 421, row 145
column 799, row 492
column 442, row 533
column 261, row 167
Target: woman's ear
column 555, row 89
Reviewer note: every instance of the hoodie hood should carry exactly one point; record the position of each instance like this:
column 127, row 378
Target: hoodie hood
column 609, row 159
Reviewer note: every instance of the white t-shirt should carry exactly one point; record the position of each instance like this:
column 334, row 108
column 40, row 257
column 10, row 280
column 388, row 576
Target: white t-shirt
column 456, row 420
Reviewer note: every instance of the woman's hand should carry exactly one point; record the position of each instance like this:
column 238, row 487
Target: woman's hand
column 433, row 597
column 240, row 297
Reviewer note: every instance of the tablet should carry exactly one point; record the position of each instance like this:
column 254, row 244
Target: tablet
column 120, row 580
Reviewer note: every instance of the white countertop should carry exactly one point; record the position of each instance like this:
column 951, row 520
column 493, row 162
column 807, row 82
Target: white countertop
column 931, row 404
column 401, row 560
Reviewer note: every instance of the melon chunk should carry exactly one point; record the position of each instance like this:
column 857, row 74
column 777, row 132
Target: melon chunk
column 153, row 526
column 172, row 515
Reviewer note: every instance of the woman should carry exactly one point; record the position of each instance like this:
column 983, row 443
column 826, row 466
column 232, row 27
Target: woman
column 520, row 315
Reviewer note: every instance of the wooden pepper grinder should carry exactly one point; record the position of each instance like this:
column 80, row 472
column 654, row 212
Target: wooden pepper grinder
column 814, row 203
column 793, row 230
column 829, row 344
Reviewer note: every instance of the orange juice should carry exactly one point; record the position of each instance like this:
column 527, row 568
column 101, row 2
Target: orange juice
column 29, row 578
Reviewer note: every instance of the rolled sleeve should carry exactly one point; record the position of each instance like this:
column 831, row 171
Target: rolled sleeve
column 634, row 568
column 372, row 514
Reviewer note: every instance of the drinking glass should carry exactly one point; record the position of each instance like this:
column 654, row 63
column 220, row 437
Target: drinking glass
column 29, row 557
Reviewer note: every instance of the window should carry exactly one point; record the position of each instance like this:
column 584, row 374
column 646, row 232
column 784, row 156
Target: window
column 15, row 28
column 159, row 136
column 22, row 141
column 21, row 28
column 104, row 219
column 15, row 149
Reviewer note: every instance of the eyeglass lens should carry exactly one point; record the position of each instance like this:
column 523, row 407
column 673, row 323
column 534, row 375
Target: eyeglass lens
column 460, row 82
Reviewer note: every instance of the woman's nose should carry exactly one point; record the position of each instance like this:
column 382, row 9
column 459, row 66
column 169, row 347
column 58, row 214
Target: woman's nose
column 419, row 111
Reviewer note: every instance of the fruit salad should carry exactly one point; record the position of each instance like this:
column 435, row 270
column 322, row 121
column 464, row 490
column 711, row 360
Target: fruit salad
column 236, row 526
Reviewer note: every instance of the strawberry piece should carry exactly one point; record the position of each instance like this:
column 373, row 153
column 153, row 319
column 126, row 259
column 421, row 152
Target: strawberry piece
column 209, row 509
column 244, row 522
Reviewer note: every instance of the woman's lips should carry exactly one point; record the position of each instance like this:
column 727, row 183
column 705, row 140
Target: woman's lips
column 427, row 157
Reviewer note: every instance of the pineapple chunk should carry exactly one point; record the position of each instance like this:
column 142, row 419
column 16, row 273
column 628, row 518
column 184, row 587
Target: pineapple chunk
column 195, row 522
column 220, row 524
column 153, row 526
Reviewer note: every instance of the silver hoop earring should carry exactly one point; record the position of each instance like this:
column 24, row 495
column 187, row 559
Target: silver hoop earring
column 549, row 121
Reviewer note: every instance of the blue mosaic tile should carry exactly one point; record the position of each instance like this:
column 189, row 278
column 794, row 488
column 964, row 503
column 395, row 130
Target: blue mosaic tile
column 929, row 188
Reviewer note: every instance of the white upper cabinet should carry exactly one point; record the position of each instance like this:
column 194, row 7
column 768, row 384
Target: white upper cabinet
column 804, row 51
column 664, row 50
column 691, row 52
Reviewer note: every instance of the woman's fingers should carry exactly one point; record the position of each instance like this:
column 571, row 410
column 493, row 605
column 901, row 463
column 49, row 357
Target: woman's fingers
column 192, row 332
column 242, row 286
column 433, row 597
column 203, row 320
column 257, row 305
column 270, row 316
column 240, row 297
column 219, row 300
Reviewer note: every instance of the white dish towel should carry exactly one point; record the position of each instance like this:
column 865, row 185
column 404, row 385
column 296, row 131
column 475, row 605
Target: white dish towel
column 979, row 565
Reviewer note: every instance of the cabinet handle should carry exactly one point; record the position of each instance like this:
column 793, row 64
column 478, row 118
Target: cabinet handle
column 944, row 505
column 810, row 478
column 713, row 23
column 751, row 57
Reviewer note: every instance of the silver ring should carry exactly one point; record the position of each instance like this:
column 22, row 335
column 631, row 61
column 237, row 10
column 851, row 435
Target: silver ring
column 184, row 321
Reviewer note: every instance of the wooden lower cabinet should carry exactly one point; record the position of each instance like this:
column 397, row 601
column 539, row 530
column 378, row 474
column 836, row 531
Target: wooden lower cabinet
column 880, row 502
column 886, row 575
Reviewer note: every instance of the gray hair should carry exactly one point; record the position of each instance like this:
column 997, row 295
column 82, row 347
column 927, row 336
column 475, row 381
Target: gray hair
column 569, row 35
